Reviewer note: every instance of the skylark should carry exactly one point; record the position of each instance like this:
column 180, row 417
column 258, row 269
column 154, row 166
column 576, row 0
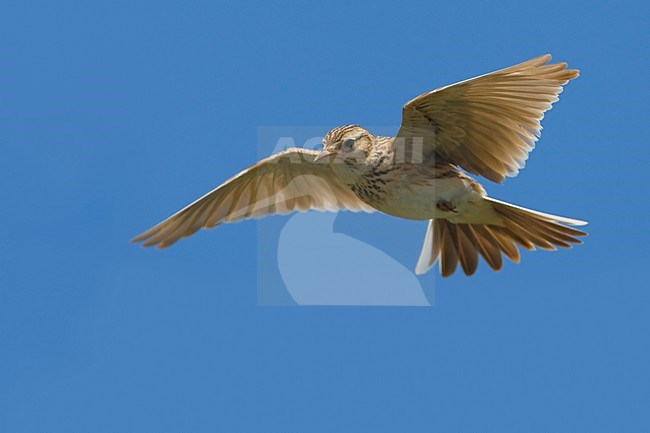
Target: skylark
column 485, row 125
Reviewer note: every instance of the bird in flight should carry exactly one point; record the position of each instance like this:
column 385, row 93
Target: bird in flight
column 485, row 126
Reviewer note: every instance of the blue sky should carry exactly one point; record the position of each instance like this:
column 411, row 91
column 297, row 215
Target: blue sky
column 115, row 114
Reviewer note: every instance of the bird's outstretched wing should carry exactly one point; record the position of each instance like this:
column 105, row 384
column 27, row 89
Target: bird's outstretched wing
column 285, row 182
column 488, row 124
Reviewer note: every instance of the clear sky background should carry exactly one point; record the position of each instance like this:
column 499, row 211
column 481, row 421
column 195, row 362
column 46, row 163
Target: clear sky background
column 115, row 114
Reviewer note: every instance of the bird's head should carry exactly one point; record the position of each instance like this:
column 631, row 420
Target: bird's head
column 349, row 142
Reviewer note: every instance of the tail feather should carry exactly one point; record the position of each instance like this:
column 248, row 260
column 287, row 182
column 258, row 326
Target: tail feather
column 508, row 247
column 451, row 243
column 488, row 246
column 468, row 252
column 448, row 250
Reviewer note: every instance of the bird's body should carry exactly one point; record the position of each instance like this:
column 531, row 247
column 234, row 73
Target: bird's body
column 486, row 125
column 410, row 190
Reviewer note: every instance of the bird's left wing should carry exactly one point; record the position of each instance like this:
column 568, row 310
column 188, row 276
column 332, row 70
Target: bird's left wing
column 489, row 124
column 285, row 182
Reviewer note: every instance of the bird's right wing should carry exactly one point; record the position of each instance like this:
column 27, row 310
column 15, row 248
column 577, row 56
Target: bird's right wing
column 285, row 182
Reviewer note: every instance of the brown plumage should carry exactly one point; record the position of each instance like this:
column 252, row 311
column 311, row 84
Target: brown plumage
column 463, row 243
column 486, row 125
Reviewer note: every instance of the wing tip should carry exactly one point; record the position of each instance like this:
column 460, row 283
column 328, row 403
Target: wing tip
column 545, row 59
column 139, row 238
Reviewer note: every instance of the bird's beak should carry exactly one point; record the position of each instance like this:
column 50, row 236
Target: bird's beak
column 325, row 153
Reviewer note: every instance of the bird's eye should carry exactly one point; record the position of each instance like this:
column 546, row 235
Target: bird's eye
column 348, row 144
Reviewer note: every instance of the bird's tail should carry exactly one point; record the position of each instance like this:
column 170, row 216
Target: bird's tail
column 451, row 243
